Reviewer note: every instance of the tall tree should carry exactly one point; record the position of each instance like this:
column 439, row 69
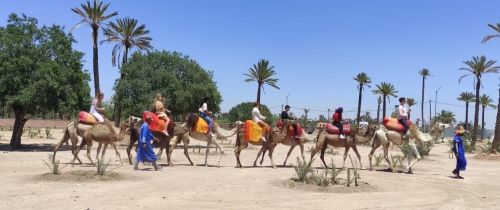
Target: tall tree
column 306, row 111
column 262, row 73
column 486, row 101
column 363, row 80
column 182, row 81
column 40, row 72
column 386, row 90
column 425, row 73
column 94, row 15
column 478, row 66
column 411, row 102
column 444, row 117
column 466, row 97
column 495, row 146
column 127, row 35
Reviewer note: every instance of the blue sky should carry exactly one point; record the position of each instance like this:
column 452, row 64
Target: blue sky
column 317, row 47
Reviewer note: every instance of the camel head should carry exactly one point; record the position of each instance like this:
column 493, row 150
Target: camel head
column 438, row 129
column 364, row 134
column 124, row 130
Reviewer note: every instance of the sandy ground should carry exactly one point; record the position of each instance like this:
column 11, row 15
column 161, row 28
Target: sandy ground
column 24, row 185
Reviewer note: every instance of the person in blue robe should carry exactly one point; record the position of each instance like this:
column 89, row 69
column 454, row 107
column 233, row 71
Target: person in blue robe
column 459, row 151
column 145, row 151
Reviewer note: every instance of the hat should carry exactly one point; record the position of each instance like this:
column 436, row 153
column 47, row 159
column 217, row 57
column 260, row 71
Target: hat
column 460, row 130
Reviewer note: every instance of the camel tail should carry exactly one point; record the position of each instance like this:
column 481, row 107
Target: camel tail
column 414, row 131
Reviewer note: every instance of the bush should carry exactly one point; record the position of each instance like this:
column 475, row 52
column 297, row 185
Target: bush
column 54, row 167
column 334, row 172
column 302, row 169
column 423, row 148
column 378, row 159
column 320, row 178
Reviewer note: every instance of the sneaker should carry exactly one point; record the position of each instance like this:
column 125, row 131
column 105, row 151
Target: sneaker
column 263, row 139
column 166, row 133
column 296, row 137
column 342, row 136
column 212, row 134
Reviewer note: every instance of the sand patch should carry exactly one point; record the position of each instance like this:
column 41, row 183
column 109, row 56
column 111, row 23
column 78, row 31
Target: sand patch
column 487, row 156
column 80, row 176
column 339, row 188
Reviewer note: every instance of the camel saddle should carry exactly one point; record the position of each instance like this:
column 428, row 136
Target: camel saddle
column 201, row 125
column 252, row 131
column 332, row 129
column 394, row 125
column 86, row 118
column 157, row 124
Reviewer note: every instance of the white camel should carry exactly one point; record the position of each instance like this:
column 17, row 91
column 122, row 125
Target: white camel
column 383, row 137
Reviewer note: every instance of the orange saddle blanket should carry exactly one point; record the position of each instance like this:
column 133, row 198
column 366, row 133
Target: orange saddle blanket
column 156, row 124
column 393, row 124
column 87, row 118
column 253, row 131
column 201, row 126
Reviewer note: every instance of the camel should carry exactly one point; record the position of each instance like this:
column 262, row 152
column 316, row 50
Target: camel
column 103, row 134
column 242, row 143
column 289, row 141
column 325, row 139
column 383, row 137
column 209, row 138
column 71, row 132
column 164, row 140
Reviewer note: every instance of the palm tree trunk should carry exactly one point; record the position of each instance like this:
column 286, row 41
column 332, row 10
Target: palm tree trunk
column 259, row 86
column 118, row 108
column 383, row 108
column 496, row 139
column 466, row 116
column 378, row 113
column 476, row 116
column 95, row 33
column 422, row 102
column 409, row 114
column 482, row 123
column 358, row 116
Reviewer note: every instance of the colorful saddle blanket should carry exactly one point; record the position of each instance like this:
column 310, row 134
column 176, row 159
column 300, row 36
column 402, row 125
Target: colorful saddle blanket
column 332, row 129
column 201, row 126
column 253, row 131
column 157, row 124
column 87, row 118
column 299, row 132
column 393, row 124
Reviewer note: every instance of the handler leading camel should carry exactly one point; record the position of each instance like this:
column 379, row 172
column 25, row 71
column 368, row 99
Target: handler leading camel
column 145, row 151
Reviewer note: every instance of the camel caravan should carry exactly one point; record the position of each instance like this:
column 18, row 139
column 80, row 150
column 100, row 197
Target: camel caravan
column 92, row 127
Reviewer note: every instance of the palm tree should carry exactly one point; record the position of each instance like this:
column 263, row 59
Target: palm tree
column 477, row 67
column 445, row 117
column 127, row 35
column 379, row 102
column 485, row 101
column 363, row 80
column 94, row 15
column 262, row 73
column 306, row 111
column 496, row 28
column 424, row 73
column 385, row 90
column 466, row 97
column 411, row 102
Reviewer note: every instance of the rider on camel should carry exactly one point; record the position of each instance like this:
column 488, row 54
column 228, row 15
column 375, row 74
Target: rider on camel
column 96, row 108
column 338, row 121
column 160, row 110
column 259, row 119
column 403, row 111
column 288, row 120
column 205, row 114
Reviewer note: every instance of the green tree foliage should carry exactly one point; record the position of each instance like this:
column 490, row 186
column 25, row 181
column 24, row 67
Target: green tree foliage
column 386, row 90
column 39, row 71
column 363, row 80
column 445, row 117
column 263, row 74
column 466, row 97
column 243, row 111
column 182, row 80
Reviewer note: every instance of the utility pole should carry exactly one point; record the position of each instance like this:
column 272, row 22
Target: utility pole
column 287, row 98
column 328, row 115
column 435, row 101
column 430, row 114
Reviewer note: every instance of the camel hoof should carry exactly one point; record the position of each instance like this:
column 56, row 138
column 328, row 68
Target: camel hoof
column 390, row 169
column 254, row 165
column 274, row 166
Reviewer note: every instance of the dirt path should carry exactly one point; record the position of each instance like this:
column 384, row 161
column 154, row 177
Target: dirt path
column 187, row 187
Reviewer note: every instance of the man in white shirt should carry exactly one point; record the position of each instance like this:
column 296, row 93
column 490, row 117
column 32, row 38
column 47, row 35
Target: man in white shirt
column 204, row 113
column 259, row 119
column 403, row 115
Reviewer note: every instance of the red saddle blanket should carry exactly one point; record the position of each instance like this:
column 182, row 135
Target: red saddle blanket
column 87, row 118
column 156, row 124
column 393, row 124
column 332, row 129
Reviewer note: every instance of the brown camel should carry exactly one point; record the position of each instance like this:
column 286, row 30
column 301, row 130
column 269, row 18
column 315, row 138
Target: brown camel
column 289, row 141
column 242, row 143
column 164, row 140
column 71, row 132
column 103, row 134
column 209, row 138
column 325, row 139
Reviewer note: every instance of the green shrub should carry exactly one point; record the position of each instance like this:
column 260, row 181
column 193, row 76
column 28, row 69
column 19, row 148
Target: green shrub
column 54, row 167
column 302, row 169
column 334, row 172
column 320, row 178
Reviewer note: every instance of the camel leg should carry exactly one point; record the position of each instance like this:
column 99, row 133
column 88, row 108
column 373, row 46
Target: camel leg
column 167, row 149
column 89, row 147
column 258, row 155
column 117, row 153
column 417, row 155
column 313, row 152
column 98, row 151
column 271, row 149
column 357, row 154
column 104, row 151
column 386, row 155
column 218, row 146
column 322, row 155
column 288, row 154
column 301, row 146
column 75, row 154
column 237, row 153
column 374, row 148
column 263, row 154
column 208, row 150
column 346, row 150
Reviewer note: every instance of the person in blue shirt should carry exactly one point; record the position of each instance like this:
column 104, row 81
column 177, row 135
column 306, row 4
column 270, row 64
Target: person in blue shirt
column 459, row 151
column 145, row 151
